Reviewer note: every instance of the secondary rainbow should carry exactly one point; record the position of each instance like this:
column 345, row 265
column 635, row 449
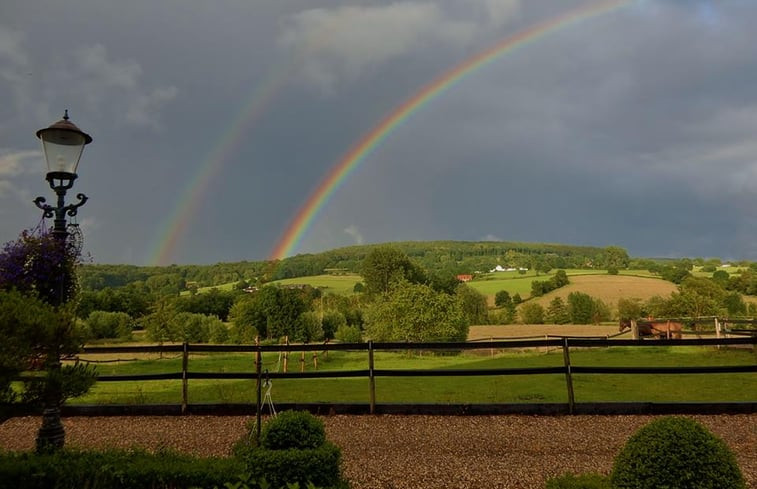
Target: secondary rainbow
column 194, row 192
column 337, row 175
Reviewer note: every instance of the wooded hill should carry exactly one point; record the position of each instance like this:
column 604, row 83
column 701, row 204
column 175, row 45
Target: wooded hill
column 442, row 257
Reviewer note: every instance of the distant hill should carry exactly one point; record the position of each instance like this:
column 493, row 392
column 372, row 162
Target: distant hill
column 439, row 257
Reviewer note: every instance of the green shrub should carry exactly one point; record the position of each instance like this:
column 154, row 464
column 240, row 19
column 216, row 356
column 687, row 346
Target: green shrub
column 582, row 481
column 293, row 429
column 319, row 466
column 293, row 449
column 114, row 469
column 348, row 334
column 103, row 324
column 675, row 452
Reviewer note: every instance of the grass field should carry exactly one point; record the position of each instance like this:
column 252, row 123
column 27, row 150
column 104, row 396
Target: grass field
column 485, row 389
column 336, row 284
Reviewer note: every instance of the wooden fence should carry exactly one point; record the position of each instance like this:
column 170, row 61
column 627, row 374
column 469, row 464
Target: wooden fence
column 371, row 372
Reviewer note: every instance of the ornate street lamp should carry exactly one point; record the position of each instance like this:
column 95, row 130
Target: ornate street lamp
column 62, row 144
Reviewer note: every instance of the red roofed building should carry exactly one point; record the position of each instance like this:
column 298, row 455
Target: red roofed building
column 465, row 278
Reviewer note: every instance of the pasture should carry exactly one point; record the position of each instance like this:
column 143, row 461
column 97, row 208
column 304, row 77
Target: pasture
column 543, row 388
column 335, row 284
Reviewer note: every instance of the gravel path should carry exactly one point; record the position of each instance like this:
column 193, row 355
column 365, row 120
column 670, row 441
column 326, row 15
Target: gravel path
column 413, row 451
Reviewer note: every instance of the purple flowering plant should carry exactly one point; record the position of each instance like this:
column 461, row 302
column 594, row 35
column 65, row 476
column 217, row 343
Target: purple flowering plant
column 41, row 264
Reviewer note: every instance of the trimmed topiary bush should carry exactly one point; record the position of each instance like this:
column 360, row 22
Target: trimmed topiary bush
column 675, row 453
column 582, row 481
column 292, row 449
column 293, row 429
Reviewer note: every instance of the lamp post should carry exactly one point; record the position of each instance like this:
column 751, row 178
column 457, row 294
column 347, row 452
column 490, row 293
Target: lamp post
column 63, row 144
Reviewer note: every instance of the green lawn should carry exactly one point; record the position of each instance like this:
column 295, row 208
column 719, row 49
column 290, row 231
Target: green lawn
column 484, row 389
column 336, row 284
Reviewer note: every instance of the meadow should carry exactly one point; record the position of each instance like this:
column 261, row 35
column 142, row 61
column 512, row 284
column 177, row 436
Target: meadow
column 545, row 388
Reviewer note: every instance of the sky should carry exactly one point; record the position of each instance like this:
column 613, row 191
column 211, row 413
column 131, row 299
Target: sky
column 214, row 123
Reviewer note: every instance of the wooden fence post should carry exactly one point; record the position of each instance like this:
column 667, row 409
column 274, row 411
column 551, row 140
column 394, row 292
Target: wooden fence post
column 184, row 380
column 568, row 375
column 315, row 360
column 286, row 354
column 371, row 378
column 302, row 362
column 259, row 379
column 634, row 329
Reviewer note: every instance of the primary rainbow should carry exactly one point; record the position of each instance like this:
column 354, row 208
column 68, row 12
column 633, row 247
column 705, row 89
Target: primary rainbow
column 340, row 171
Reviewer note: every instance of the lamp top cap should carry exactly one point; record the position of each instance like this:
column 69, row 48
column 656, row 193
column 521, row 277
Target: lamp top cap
column 66, row 125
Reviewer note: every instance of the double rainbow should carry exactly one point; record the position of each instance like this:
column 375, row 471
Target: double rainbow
column 339, row 173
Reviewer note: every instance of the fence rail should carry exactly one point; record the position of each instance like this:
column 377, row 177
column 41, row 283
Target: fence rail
column 371, row 373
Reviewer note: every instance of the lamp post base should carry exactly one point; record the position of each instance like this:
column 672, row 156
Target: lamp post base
column 51, row 435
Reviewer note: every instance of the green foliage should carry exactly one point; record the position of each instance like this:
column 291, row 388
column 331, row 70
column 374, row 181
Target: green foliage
column 293, row 429
column 309, row 328
column 24, row 321
column 415, row 313
column 584, row 309
column 675, row 452
column 539, row 287
column 271, row 312
column 387, row 265
column 211, row 303
column 581, row 481
column 531, row 313
column 359, row 288
column 630, row 309
column 158, row 322
column 502, row 299
column 473, row 304
column 348, row 334
column 332, row 321
column 114, row 469
column 293, row 449
column 320, row 466
column 557, row 312
column 102, row 324
column 74, row 381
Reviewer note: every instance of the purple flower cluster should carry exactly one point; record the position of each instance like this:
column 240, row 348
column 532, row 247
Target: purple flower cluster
column 42, row 264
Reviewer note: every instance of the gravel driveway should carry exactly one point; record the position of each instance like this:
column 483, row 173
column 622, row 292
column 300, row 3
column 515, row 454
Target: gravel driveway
column 413, row 451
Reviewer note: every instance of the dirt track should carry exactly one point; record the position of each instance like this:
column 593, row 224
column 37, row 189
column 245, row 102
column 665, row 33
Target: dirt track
column 414, row 451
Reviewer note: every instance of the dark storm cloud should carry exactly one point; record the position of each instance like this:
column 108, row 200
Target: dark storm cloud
column 632, row 128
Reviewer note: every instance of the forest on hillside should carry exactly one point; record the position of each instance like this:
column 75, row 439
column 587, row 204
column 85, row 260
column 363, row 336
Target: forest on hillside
column 440, row 257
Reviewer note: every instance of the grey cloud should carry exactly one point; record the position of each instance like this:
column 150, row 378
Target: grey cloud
column 342, row 43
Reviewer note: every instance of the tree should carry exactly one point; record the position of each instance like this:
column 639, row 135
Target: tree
column 531, row 313
column 580, row 308
column 42, row 267
column 271, row 312
column 473, row 304
column 415, row 313
column 386, row 265
column 332, row 321
column 557, row 312
column 502, row 299
column 615, row 258
column 629, row 309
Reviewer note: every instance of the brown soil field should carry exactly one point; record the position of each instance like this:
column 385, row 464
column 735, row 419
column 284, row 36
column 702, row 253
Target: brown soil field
column 539, row 330
column 610, row 288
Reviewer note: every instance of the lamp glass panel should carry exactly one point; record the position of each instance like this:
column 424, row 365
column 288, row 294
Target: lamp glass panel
column 62, row 149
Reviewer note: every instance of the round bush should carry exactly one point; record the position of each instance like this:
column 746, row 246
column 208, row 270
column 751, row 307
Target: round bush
column 675, row 452
column 293, row 429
